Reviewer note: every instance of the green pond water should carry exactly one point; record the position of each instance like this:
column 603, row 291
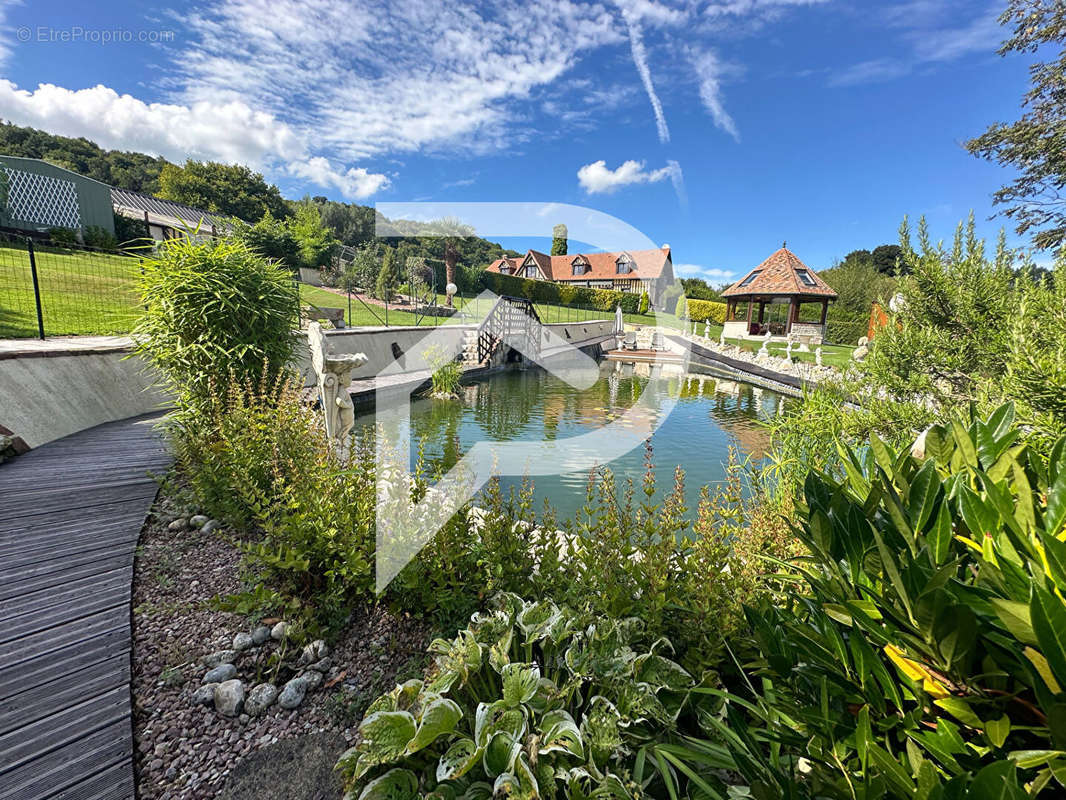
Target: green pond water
column 691, row 420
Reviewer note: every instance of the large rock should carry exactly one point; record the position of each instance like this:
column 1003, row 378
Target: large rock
column 197, row 521
column 260, row 699
column 229, row 698
column 322, row 665
column 280, row 631
column 223, row 672
column 178, row 525
column 261, row 635
column 221, row 657
column 242, row 641
column 312, row 680
column 293, row 693
column 205, row 695
column 313, row 652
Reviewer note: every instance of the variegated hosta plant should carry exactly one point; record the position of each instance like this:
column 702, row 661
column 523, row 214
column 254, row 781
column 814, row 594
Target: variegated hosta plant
column 531, row 700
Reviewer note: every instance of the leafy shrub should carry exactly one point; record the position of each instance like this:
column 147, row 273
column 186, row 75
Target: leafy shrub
column 642, row 308
column 62, row 237
column 1035, row 376
column 681, row 308
column 845, row 327
column 922, row 654
column 951, row 333
column 703, row 310
column 530, row 700
column 560, row 294
column 447, row 372
column 271, row 238
column 214, row 310
column 100, row 238
column 246, row 443
column 130, row 230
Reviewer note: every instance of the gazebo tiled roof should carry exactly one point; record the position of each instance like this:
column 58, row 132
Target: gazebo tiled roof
column 781, row 274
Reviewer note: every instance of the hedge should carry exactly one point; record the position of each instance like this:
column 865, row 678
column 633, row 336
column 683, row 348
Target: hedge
column 700, row 310
column 845, row 327
column 560, row 294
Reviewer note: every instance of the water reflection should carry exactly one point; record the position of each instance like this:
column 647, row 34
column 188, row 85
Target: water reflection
column 533, row 405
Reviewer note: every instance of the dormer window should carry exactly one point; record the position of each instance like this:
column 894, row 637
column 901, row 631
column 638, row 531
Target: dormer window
column 505, row 268
column 580, row 266
column 750, row 278
column 805, row 277
column 531, row 270
column 624, row 265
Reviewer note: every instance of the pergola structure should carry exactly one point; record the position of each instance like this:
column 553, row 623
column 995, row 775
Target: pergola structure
column 780, row 279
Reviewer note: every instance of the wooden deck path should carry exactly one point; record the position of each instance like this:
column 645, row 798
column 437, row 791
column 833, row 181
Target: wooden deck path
column 70, row 515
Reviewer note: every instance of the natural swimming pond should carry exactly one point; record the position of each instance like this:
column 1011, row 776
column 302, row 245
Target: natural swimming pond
column 533, row 406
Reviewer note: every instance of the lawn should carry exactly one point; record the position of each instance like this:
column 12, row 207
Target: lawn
column 82, row 292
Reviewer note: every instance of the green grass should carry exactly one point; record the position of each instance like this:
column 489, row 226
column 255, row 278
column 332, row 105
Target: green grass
column 87, row 293
column 82, row 293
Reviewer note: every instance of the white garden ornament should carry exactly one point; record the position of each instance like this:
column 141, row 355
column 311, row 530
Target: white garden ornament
column 334, row 373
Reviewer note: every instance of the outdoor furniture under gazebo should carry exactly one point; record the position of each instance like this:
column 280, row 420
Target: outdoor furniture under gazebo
column 780, row 280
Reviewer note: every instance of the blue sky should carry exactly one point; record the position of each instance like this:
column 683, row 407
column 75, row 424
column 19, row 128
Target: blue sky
column 722, row 127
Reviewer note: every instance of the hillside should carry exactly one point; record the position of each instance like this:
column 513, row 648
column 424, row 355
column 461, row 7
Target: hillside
column 351, row 223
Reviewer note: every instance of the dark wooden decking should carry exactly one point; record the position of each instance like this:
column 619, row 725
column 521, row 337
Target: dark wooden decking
column 70, row 515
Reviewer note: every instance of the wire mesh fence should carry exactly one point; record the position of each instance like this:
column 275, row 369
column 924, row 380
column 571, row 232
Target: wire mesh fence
column 67, row 290
column 70, row 290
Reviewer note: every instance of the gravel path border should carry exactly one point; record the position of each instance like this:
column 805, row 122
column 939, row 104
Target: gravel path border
column 186, row 752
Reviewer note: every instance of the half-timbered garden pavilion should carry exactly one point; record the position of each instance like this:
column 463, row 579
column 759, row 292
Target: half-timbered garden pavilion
column 777, row 298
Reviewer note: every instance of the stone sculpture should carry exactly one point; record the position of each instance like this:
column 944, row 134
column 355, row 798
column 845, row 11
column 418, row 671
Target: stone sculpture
column 334, row 374
column 818, row 356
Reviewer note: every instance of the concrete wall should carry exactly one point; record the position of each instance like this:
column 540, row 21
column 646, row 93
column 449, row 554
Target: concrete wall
column 377, row 343
column 313, row 277
column 47, row 397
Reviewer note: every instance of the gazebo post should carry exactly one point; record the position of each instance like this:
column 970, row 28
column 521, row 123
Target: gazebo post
column 793, row 313
column 825, row 310
column 762, row 309
column 751, row 303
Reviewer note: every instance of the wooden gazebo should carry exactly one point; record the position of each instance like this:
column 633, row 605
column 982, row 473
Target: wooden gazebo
column 780, row 279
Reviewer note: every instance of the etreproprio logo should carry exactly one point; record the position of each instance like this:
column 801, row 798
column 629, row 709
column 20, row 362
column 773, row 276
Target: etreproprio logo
column 404, row 527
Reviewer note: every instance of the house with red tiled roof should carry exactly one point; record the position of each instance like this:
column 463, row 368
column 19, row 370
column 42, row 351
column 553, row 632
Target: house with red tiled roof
column 633, row 271
column 771, row 298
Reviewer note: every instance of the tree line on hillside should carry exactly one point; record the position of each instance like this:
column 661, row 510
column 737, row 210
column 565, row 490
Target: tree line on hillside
column 301, row 233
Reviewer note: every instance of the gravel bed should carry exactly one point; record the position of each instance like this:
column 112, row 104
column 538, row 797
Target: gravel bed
column 186, row 751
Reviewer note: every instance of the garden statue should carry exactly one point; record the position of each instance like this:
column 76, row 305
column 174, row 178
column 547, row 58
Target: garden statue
column 763, row 351
column 818, row 356
column 721, row 338
column 334, row 374
column 707, row 329
column 788, row 350
column 860, row 352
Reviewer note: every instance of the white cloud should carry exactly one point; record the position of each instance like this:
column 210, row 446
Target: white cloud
column 354, row 183
column 596, row 178
column 640, row 60
column 228, row 131
column 712, row 275
column 709, row 71
column 5, row 29
column 928, row 37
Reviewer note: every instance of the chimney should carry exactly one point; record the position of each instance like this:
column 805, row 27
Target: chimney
column 666, row 247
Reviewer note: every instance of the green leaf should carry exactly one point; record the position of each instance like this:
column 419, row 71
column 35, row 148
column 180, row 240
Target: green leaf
column 965, row 445
column 940, row 535
column 386, row 734
column 921, row 498
column 458, row 759
column 660, row 673
column 998, row 730
column 439, row 716
column 1055, row 514
column 1048, row 616
column 561, row 734
column 1015, row 618
column 396, row 784
column 997, row 781
column 961, row 710
column 519, row 682
column 1027, row 759
column 500, row 753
